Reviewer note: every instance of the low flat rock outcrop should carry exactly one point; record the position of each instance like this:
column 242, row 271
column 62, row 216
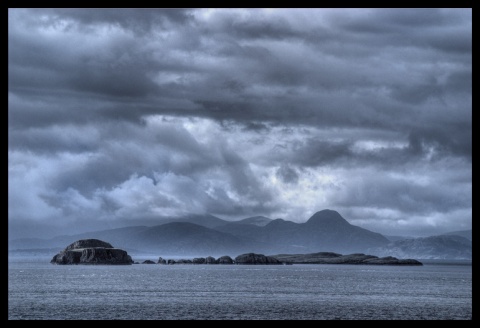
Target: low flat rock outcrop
column 183, row 261
column 334, row 258
column 198, row 260
column 389, row 260
column 252, row 258
column 91, row 251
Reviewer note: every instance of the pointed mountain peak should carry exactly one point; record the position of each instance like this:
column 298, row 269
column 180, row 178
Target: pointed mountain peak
column 327, row 217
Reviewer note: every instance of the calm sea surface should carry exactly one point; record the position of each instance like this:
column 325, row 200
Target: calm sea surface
column 39, row 290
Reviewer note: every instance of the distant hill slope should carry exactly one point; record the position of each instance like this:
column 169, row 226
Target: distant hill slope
column 434, row 247
column 185, row 238
column 396, row 238
column 260, row 221
column 462, row 233
column 206, row 220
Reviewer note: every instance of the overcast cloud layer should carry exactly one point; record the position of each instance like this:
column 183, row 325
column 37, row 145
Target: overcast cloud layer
column 119, row 117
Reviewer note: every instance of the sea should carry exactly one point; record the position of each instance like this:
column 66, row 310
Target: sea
column 39, row 290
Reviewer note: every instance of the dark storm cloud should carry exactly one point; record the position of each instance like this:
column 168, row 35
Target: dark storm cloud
column 316, row 152
column 136, row 19
column 130, row 112
column 287, row 174
column 460, row 81
column 443, row 142
column 57, row 139
column 113, row 69
column 387, row 20
column 261, row 27
column 416, row 94
column 411, row 27
column 427, row 144
column 297, row 80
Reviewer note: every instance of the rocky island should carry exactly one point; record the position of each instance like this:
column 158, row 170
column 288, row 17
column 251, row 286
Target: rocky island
column 91, row 251
column 334, row 258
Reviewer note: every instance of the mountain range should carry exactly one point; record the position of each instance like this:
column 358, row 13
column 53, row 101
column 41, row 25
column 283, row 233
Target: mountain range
column 204, row 235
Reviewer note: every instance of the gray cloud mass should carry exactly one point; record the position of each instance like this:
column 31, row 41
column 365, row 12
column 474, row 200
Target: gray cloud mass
column 124, row 116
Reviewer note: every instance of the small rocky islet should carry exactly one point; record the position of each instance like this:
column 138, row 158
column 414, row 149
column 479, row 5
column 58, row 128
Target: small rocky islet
column 91, row 251
column 94, row 251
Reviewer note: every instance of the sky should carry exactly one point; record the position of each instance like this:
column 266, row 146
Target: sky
column 122, row 117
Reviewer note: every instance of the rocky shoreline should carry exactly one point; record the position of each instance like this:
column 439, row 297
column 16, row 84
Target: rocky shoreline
column 94, row 251
column 286, row 259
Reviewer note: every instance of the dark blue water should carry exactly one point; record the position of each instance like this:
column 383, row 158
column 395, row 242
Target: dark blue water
column 45, row 291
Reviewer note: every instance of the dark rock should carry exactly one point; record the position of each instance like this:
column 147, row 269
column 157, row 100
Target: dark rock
column 328, row 254
column 170, row 261
column 91, row 251
column 333, row 258
column 148, row 262
column 88, row 243
column 161, row 261
column 210, row 260
column 182, row 261
column 136, row 263
column 67, row 257
column 199, row 260
column 389, row 260
column 100, row 255
column 357, row 258
column 224, row 260
column 252, row 258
